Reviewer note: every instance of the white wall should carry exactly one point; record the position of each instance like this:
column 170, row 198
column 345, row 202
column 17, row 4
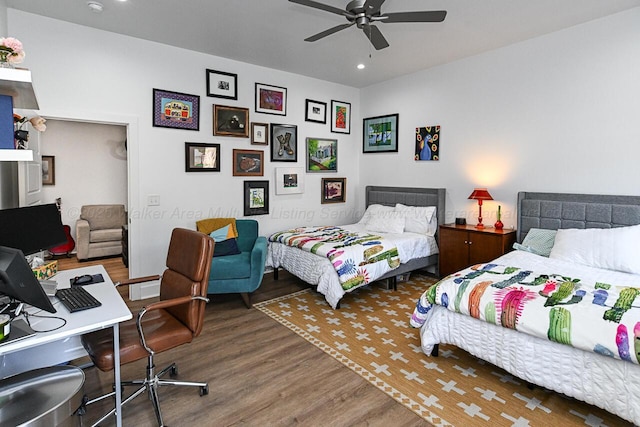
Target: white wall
column 90, row 166
column 555, row 113
column 80, row 72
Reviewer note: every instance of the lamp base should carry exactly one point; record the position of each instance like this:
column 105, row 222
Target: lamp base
column 480, row 225
column 498, row 225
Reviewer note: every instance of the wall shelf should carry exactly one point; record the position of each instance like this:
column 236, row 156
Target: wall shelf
column 16, row 82
column 16, row 155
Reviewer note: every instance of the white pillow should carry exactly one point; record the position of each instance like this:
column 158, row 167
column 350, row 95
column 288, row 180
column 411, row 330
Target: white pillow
column 377, row 211
column 382, row 224
column 419, row 219
column 608, row 248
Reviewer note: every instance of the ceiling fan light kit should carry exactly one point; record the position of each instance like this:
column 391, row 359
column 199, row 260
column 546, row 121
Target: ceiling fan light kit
column 363, row 13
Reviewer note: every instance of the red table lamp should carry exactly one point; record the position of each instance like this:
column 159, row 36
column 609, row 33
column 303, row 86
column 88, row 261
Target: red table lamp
column 480, row 194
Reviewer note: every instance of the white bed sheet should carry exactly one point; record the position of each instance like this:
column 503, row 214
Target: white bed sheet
column 318, row 271
column 608, row 383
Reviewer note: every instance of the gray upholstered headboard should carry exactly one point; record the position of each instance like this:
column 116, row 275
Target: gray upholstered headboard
column 389, row 196
column 563, row 210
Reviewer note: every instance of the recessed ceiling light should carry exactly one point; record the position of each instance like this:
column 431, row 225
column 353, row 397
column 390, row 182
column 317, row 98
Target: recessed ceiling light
column 360, row 66
column 95, row 6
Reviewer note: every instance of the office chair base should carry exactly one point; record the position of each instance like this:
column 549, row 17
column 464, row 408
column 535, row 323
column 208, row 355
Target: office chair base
column 150, row 384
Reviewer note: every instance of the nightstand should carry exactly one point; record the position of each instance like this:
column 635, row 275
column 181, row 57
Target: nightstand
column 465, row 245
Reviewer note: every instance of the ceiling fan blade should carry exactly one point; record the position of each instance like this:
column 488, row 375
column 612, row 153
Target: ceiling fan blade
column 375, row 36
column 328, row 32
column 321, row 6
column 429, row 16
column 372, row 7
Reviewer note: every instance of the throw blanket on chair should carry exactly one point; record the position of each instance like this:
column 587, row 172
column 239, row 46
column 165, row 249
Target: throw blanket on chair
column 358, row 258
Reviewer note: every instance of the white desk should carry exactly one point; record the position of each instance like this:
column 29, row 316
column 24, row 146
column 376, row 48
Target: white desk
column 62, row 345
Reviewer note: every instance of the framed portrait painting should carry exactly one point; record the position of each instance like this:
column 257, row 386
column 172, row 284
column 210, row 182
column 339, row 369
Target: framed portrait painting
column 48, row 170
column 334, row 190
column 380, row 134
column 271, row 99
column 176, row 110
column 284, row 143
column 322, row 155
column 260, row 133
column 222, row 85
column 256, row 198
column 230, row 121
column 201, row 157
column 340, row 117
column 289, row 180
column 315, row 111
column 248, row 162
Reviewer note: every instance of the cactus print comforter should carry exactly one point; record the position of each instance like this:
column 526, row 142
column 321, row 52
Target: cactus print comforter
column 592, row 315
column 357, row 257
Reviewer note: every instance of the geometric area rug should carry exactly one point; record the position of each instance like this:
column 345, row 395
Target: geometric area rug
column 370, row 334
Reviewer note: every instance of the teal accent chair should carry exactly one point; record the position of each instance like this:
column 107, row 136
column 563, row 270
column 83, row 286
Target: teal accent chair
column 241, row 273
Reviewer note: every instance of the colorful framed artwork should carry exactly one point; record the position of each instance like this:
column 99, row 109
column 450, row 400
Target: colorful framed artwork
column 322, row 155
column 428, row 143
column 256, row 198
column 271, row 99
column 260, row 133
column 289, row 180
column 176, row 110
column 340, row 117
column 230, row 121
column 284, row 143
column 380, row 134
column 222, row 85
column 248, row 162
column 334, row 190
column 315, row 111
column 48, row 170
column 201, row 157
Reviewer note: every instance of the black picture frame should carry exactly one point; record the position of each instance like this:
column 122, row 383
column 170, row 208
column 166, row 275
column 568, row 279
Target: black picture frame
column 380, row 134
column 200, row 157
column 271, row 99
column 334, row 190
column 315, row 111
column 176, row 110
column 340, row 117
column 256, row 198
column 284, row 143
column 259, row 133
column 230, row 121
column 221, row 84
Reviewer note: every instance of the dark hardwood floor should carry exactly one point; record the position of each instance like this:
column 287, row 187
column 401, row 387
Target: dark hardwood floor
column 259, row 373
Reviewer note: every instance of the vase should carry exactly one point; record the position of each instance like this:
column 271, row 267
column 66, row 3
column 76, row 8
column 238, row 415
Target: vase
column 4, row 59
column 499, row 225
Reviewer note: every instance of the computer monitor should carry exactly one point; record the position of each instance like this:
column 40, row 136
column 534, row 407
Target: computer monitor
column 32, row 228
column 18, row 281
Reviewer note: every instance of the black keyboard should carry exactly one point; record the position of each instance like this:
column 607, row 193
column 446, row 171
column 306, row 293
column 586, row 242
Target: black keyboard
column 77, row 299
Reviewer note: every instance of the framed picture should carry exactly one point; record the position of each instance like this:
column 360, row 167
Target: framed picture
column 428, row 143
column 176, row 110
column 256, row 198
column 248, row 162
column 284, row 143
column 48, row 170
column 316, row 111
column 289, row 181
column 260, row 133
column 334, row 190
column 380, row 134
column 322, row 155
column 201, row 157
column 340, row 117
column 222, row 85
column 230, row 121
column 271, row 99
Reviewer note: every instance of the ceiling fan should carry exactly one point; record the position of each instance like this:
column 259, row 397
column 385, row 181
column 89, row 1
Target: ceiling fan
column 363, row 13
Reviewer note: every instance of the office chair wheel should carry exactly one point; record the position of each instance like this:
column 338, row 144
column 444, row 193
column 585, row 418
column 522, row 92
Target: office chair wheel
column 173, row 372
column 204, row 390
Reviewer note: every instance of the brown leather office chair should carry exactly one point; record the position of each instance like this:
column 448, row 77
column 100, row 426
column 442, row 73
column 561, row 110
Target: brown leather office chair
column 174, row 320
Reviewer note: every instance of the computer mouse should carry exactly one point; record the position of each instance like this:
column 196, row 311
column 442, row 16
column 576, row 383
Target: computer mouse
column 82, row 280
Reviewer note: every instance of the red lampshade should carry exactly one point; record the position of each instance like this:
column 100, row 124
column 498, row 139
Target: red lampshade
column 480, row 194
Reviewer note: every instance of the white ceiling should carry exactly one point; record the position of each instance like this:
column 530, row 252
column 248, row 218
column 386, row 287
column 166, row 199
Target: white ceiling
column 271, row 33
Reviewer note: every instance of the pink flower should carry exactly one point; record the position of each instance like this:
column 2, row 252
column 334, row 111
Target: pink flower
column 11, row 50
column 38, row 123
column 12, row 43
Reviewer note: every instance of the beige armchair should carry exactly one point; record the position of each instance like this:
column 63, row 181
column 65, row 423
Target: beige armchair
column 99, row 231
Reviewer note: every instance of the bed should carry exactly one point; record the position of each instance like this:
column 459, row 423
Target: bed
column 592, row 373
column 319, row 270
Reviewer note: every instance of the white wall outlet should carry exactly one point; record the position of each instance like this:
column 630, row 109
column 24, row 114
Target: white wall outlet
column 153, row 200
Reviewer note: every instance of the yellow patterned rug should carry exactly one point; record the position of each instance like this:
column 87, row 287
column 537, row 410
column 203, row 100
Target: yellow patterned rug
column 370, row 334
